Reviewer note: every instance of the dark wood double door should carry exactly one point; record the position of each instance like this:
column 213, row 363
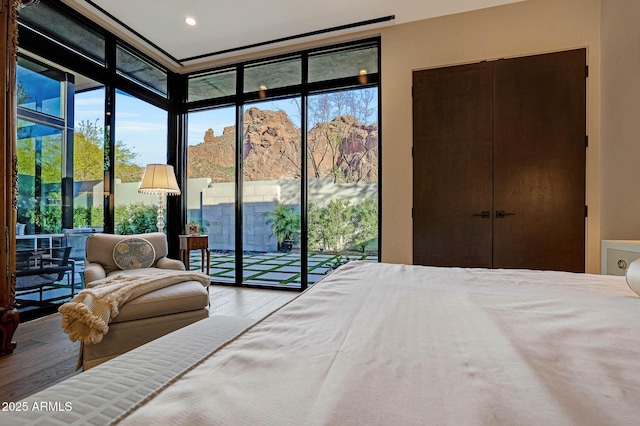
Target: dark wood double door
column 499, row 164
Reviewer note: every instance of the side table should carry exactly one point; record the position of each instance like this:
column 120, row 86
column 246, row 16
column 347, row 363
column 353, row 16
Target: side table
column 195, row 242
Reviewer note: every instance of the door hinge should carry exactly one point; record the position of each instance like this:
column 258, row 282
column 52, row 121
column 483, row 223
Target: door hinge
column 412, row 212
column 412, row 152
column 586, row 211
column 586, row 141
column 586, row 71
column 412, row 91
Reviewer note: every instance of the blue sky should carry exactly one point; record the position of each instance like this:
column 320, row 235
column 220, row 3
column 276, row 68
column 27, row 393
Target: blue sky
column 143, row 127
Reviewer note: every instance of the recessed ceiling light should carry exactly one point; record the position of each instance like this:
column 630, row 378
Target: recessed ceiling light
column 189, row 20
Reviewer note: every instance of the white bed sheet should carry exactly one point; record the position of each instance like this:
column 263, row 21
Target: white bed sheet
column 408, row 345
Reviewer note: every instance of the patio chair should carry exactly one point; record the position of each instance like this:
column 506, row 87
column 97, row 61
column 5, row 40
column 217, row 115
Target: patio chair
column 77, row 238
column 37, row 270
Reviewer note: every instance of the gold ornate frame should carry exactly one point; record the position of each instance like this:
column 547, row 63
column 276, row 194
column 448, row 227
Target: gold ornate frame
column 9, row 317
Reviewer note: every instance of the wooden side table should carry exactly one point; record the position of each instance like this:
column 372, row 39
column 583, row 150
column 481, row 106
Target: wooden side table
column 195, row 242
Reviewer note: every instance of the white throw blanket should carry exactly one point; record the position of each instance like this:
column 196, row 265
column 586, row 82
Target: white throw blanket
column 86, row 317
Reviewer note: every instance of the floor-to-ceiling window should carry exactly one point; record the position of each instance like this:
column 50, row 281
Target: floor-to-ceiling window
column 308, row 159
column 141, row 138
column 60, row 165
column 43, row 121
column 342, row 153
column 88, row 156
column 271, row 193
column 291, row 195
column 70, row 161
column 211, row 190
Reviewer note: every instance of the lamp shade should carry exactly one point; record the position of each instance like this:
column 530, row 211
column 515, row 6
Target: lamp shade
column 159, row 178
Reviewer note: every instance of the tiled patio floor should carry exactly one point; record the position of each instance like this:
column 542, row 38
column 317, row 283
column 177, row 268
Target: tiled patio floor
column 270, row 269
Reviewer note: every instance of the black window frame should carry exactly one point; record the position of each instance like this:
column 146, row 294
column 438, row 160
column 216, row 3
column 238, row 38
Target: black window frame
column 178, row 106
column 303, row 90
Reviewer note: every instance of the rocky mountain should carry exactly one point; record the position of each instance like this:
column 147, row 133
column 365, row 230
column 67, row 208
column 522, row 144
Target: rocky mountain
column 343, row 149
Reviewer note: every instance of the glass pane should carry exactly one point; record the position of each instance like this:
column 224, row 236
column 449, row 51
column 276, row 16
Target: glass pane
column 141, row 139
column 212, row 85
column 272, row 74
column 342, row 156
column 72, row 35
column 39, row 182
column 271, row 194
column 140, row 70
column 343, row 62
column 211, row 199
column 40, row 87
column 88, row 164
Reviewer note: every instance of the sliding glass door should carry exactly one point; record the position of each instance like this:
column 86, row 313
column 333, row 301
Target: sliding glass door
column 342, row 158
column 300, row 192
column 211, row 188
column 271, row 194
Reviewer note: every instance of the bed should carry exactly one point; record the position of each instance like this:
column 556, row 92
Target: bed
column 384, row 344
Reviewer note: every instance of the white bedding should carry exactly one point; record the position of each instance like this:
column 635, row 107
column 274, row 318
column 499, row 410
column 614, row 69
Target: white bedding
column 409, row 345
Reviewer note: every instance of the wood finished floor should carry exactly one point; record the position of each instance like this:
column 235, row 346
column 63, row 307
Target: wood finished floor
column 45, row 355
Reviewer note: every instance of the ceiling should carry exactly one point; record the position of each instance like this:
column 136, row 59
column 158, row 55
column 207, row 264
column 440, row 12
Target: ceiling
column 228, row 28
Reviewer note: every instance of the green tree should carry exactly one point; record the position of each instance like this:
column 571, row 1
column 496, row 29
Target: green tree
column 88, row 159
column 340, row 225
column 135, row 218
column 87, row 216
column 126, row 169
column 365, row 222
column 48, row 156
column 89, row 155
column 330, row 226
column 47, row 217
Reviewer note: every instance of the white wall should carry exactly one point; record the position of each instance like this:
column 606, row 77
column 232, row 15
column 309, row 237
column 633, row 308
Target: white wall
column 519, row 29
column 620, row 119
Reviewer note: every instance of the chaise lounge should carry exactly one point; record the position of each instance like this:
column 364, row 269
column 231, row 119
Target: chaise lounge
column 150, row 315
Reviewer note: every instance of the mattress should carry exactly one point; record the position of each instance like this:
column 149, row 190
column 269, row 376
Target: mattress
column 100, row 395
column 398, row 344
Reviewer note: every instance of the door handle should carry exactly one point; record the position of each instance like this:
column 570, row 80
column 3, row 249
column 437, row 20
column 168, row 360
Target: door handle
column 485, row 214
column 500, row 214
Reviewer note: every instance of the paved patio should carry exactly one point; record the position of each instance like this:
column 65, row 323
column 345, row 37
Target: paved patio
column 268, row 269
column 271, row 269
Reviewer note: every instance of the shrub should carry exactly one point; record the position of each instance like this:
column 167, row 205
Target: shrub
column 340, row 225
column 135, row 218
column 285, row 223
column 365, row 219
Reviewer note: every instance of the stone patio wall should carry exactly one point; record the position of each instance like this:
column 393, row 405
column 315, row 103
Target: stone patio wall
column 218, row 215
